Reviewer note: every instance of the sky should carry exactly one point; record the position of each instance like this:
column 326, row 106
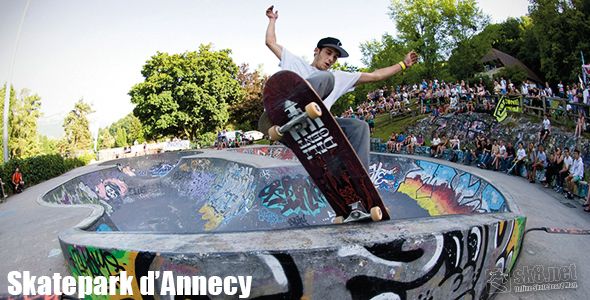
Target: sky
column 67, row 50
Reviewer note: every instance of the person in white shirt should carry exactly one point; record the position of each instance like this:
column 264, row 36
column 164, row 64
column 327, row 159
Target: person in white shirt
column 576, row 174
column 434, row 144
column 330, row 85
column 546, row 129
column 518, row 160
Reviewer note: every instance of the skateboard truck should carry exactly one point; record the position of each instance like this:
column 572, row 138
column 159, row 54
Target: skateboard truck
column 358, row 213
column 312, row 111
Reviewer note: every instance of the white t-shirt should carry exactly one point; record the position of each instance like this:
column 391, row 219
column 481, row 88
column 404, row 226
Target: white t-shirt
column 568, row 161
column 521, row 153
column 435, row 141
column 343, row 81
column 578, row 168
column 546, row 124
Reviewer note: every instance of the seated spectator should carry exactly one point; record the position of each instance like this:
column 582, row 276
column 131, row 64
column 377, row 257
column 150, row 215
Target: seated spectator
column 435, row 114
column 391, row 142
column 539, row 164
column 489, row 152
column 518, row 162
column 554, row 165
column 531, row 158
column 508, row 157
column 577, row 173
column 455, row 143
column 434, row 144
column 18, row 183
column 499, row 155
column 419, row 140
column 412, row 143
column 564, row 172
column 399, row 142
column 444, row 143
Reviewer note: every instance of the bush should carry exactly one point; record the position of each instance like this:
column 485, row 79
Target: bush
column 38, row 169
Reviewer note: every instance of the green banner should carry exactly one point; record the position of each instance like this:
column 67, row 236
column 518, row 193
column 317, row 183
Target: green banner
column 506, row 104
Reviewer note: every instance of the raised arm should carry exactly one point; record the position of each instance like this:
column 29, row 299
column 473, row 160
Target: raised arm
column 271, row 37
column 384, row 73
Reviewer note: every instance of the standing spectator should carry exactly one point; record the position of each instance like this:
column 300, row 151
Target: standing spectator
column 546, row 129
column 18, row 183
column 2, row 190
column 561, row 90
column 371, row 121
column 577, row 173
column 580, row 124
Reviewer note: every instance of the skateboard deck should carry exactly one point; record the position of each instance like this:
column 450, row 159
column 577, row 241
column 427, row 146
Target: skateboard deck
column 321, row 146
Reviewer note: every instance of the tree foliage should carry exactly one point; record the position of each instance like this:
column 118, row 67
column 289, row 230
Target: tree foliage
column 105, row 139
column 434, row 27
column 22, row 123
column 244, row 112
column 561, row 30
column 186, row 95
column 76, row 128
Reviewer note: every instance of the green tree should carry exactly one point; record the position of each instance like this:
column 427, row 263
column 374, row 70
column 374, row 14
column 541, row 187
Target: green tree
column 186, row 95
column 244, row 112
column 47, row 145
column 121, row 137
column 561, row 30
column 25, row 112
column 22, row 123
column 133, row 129
column 76, row 128
column 434, row 27
column 105, row 139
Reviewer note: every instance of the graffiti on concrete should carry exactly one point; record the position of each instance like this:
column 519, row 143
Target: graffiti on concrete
column 438, row 189
column 293, row 196
column 233, row 194
column 274, row 152
column 451, row 264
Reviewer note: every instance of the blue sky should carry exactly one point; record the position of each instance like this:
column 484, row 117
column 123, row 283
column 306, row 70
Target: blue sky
column 73, row 49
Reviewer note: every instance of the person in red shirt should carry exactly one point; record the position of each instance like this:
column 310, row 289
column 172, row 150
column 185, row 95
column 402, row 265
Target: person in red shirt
column 17, row 181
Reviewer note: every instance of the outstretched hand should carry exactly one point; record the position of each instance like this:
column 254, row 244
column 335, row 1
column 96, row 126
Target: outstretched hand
column 411, row 58
column 273, row 15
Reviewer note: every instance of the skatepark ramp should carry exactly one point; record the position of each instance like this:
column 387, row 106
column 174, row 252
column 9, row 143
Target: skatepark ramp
column 255, row 212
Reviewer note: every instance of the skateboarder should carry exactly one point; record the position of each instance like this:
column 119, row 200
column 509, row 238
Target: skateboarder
column 330, row 85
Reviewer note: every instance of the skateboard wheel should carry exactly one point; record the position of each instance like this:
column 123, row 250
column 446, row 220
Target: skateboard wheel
column 313, row 110
column 338, row 220
column 376, row 214
column 274, row 133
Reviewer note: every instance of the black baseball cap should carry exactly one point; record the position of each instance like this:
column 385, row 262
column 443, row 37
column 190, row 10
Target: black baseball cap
column 333, row 43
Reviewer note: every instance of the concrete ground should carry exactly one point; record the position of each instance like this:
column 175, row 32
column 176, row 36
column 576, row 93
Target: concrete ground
column 28, row 232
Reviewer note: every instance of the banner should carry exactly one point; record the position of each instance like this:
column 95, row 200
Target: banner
column 506, row 104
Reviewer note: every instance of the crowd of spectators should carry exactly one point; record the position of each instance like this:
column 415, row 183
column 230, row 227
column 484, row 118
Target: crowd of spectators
column 562, row 168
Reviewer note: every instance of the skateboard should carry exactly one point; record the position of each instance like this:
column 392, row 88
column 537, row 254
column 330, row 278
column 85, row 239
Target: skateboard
column 302, row 123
